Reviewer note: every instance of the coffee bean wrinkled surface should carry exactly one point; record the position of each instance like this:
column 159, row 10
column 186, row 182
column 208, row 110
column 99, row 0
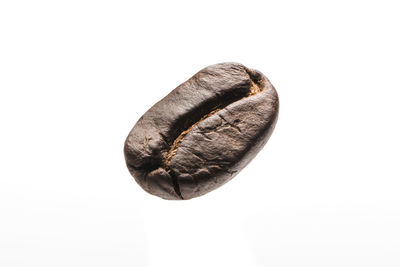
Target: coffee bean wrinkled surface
column 202, row 133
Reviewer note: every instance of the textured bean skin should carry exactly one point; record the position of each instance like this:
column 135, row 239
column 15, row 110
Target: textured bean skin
column 202, row 133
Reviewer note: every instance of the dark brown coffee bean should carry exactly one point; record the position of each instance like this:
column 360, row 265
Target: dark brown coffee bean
column 203, row 133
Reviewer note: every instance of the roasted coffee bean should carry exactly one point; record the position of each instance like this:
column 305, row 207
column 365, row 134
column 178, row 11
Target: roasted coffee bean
column 202, row 133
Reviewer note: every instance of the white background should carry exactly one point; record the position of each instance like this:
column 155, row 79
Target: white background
column 76, row 75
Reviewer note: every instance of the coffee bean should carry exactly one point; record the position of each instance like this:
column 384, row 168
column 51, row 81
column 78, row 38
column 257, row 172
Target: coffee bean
column 202, row 133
